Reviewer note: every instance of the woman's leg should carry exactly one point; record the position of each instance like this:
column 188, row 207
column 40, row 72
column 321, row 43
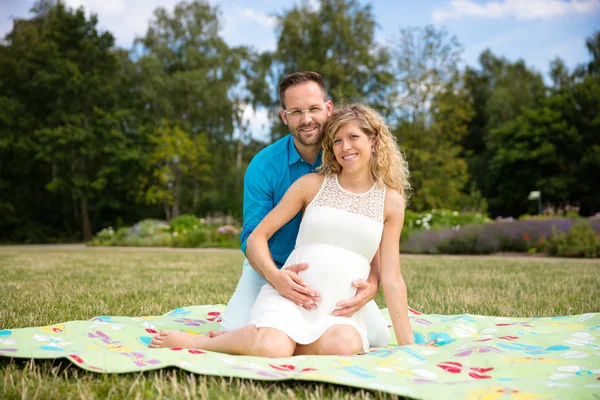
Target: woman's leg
column 246, row 341
column 378, row 332
column 338, row 340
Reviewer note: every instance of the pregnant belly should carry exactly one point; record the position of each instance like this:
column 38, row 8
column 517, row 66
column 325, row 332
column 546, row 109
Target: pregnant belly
column 330, row 272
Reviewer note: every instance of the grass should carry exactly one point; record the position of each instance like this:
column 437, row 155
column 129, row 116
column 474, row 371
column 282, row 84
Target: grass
column 42, row 286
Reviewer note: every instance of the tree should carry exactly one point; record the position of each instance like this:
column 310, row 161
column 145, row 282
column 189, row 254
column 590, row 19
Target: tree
column 535, row 151
column 187, row 75
column 177, row 158
column 426, row 60
column 433, row 115
column 63, row 72
column 584, row 116
column 500, row 91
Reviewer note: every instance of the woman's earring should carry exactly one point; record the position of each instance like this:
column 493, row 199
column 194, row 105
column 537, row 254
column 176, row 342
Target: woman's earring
column 372, row 149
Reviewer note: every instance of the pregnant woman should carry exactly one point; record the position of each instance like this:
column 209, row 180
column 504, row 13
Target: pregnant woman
column 353, row 210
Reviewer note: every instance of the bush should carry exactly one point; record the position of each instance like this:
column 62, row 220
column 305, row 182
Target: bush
column 471, row 240
column 580, row 241
column 184, row 231
column 194, row 238
column 185, row 223
column 149, row 227
column 437, row 219
column 158, row 240
column 513, row 236
column 103, row 238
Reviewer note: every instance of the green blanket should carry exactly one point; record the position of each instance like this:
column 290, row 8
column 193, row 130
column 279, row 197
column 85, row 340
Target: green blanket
column 458, row 356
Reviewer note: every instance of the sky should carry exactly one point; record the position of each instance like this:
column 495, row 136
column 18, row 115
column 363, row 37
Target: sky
column 536, row 31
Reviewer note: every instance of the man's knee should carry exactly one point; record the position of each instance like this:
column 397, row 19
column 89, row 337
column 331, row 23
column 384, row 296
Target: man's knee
column 273, row 343
column 341, row 340
column 237, row 313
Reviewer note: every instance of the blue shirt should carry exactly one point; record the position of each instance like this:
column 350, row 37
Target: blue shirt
column 269, row 175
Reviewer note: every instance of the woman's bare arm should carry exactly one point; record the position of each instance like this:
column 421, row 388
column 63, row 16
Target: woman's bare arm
column 394, row 287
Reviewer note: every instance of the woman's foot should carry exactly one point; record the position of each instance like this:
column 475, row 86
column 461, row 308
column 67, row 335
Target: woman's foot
column 184, row 340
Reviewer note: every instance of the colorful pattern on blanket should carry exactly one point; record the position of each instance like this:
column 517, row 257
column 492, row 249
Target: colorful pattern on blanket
column 460, row 356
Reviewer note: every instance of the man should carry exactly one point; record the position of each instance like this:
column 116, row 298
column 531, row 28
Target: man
column 304, row 109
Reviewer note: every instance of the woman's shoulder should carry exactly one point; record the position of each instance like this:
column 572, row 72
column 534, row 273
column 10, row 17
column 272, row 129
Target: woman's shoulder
column 312, row 180
column 307, row 186
column 395, row 203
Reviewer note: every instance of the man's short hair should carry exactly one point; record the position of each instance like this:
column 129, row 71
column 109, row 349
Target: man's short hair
column 297, row 78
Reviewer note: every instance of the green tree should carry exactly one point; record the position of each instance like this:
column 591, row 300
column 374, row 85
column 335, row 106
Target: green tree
column 178, row 158
column 63, row 72
column 187, row 75
column 584, row 115
column 533, row 151
column 433, row 115
column 500, row 90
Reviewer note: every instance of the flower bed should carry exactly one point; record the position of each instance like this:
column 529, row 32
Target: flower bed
column 509, row 236
column 437, row 219
column 182, row 231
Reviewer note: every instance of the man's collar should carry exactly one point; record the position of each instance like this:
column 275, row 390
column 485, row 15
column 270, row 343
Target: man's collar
column 294, row 156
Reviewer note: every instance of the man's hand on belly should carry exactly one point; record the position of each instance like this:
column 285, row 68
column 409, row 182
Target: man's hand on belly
column 289, row 284
column 366, row 291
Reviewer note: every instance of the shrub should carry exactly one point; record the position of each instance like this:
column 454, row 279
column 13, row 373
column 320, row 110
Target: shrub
column 489, row 238
column 472, row 240
column 580, row 241
column 162, row 239
column 185, row 223
column 194, row 238
column 437, row 219
column 228, row 231
column 149, row 227
column 103, row 238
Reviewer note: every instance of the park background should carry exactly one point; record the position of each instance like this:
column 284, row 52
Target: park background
column 143, row 139
column 109, row 138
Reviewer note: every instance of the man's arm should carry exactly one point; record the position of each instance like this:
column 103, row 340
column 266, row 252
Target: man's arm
column 286, row 281
column 258, row 201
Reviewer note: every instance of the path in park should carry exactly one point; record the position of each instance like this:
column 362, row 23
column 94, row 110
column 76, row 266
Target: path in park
column 504, row 256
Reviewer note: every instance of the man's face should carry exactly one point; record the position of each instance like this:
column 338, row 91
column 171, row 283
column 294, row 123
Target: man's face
column 306, row 128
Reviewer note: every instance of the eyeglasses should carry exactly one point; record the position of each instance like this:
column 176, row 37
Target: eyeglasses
column 311, row 111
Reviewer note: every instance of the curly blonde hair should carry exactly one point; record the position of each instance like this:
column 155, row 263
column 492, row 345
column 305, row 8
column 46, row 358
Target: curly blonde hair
column 388, row 165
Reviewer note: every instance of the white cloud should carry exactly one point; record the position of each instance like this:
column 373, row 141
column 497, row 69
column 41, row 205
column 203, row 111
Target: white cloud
column 125, row 19
column 262, row 18
column 259, row 123
column 104, row 7
column 519, row 9
column 314, row 4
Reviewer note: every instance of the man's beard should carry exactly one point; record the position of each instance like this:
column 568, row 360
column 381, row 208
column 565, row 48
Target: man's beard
column 316, row 139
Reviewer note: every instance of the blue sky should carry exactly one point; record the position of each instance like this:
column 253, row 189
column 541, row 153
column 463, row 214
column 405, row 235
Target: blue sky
column 534, row 30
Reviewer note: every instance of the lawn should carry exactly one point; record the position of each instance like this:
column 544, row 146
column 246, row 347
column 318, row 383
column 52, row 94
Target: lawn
column 42, row 286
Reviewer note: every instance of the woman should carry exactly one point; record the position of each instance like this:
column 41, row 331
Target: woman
column 353, row 211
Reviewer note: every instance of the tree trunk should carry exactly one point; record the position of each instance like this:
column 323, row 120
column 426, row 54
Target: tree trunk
column 85, row 220
column 176, row 196
column 167, row 210
column 240, row 150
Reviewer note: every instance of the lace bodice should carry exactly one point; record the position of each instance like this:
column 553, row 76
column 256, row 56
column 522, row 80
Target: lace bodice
column 369, row 204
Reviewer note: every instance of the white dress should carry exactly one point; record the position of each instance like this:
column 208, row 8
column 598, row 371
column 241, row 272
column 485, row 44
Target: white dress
column 339, row 235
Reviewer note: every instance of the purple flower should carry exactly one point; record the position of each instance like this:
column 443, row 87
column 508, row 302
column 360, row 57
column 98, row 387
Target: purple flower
column 503, row 235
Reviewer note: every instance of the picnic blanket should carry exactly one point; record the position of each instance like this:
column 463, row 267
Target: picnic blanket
column 459, row 356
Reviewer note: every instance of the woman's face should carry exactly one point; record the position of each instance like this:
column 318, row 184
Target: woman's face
column 352, row 148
